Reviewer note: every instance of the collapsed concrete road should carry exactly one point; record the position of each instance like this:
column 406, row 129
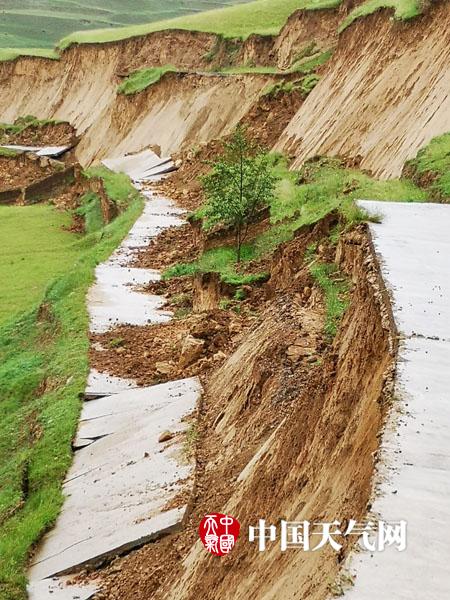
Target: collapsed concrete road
column 130, row 464
column 412, row 482
column 123, row 478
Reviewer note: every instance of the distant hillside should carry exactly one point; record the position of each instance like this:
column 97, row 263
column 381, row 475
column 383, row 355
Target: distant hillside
column 41, row 23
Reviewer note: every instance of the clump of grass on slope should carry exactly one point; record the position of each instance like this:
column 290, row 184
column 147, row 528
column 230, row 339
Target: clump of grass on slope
column 265, row 17
column 91, row 211
column 117, row 185
column 404, row 10
column 220, row 260
column 144, row 78
column 335, row 289
column 321, row 186
column 7, row 153
column 304, row 86
column 43, row 370
column 23, row 123
column 431, row 167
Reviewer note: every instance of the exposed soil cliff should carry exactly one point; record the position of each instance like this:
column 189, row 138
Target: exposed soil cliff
column 383, row 95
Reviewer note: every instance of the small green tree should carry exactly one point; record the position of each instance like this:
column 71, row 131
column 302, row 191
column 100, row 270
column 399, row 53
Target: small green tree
column 240, row 182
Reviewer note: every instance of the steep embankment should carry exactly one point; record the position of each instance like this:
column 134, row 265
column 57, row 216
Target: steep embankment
column 82, row 89
column 181, row 110
column 384, row 94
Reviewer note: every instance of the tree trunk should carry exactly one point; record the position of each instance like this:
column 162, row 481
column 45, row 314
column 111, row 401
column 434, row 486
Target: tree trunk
column 238, row 244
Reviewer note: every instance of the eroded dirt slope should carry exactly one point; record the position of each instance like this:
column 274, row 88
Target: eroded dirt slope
column 180, row 111
column 384, row 94
column 288, row 428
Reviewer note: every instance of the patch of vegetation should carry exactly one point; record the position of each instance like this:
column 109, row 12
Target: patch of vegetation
column 239, row 184
column 8, row 153
column 299, row 66
column 35, row 249
column 91, row 211
column 311, row 64
column 190, row 441
column 431, row 167
column 118, row 186
column 403, row 10
column 144, row 78
column 264, row 17
column 222, row 260
column 323, row 185
column 23, row 123
column 43, row 370
column 250, row 70
column 304, row 85
column 335, row 289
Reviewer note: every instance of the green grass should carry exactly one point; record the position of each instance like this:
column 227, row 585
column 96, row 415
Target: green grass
column 43, row 369
column 325, row 185
column 41, row 23
column 35, row 249
column 220, row 260
column 335, row 289
column 144, row 78
column 7, row 153
column 433, row 163
column 91, row 211
column 13, row 53
column 403, row 10
column 265, row 17
column 117, row 185
column 304, row 85
column 305, row 65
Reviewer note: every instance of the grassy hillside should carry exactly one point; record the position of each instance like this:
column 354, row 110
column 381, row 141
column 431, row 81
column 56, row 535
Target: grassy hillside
column 41, row 23
column 261, row 16
column 33, row 28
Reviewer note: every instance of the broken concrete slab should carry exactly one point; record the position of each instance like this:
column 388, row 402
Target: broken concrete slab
column 140, row 167
column 52, row 151
column 102, row 384
column 120, row 484
column 113, row 299
column 412, row 481
column 60, row 589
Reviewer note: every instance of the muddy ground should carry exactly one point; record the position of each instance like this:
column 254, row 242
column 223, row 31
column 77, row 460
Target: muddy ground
column 51, row 134
column 21, row 170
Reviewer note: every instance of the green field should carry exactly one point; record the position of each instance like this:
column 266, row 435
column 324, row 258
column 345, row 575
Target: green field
column 35, row 249
column 265, row 17
column 41, row 23
column 37, row 26
column 45, row 273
